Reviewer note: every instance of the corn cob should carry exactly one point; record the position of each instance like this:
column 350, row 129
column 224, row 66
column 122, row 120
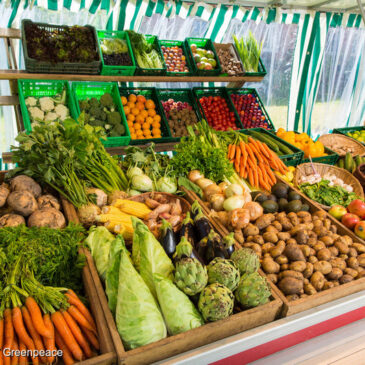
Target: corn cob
column 110, row 209
column 136, row 209
column 125, row 231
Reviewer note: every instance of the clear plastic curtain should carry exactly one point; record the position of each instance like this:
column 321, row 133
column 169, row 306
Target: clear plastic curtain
column 279, row 42
column 341, row 93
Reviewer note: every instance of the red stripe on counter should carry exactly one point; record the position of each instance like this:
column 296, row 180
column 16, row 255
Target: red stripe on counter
column 292, row 339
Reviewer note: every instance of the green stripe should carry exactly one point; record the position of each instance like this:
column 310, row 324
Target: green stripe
column 351, row 20
column 136, row 11
column 219, row 22
column 178, row 7
column 235, row 11
column 150, row 7
column 169, row 11
column 245, row 16
column 200, row 10
column 122, row 15
column 52, row 4
column 94, row 6
column 160, row 6
column 296, row 18
column 82, row 4
column 358, row 21
column 255, row 14
column 271, row 16
column 283, row 18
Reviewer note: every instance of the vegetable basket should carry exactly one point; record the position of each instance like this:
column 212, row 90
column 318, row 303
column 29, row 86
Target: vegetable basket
column 152, row 39
column 83, row 90
column 233, row 52
column 341, row 143
column 42, row 88
column 205, row 43
column 180, row 44
column 199, row 92
column 247, row 91
column 149, row 93
column 116, row 70
column 306, row 169
column 33, row 65
column 347, row 130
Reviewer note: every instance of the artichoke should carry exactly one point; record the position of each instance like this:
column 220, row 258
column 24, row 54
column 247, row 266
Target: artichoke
column 215, row 302
column 224, row 272
column 190, row 276
column 246, row 260
column 253, row 290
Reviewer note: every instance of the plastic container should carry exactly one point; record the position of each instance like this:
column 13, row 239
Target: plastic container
column 121, row 69
column 83, row 90
column 33, row 65
column 331, row 159
column 41, row 88
column 205, row 43
column 181, row 44
column 215, row 91
column 261, row 104
column 152, row 39
column 346, row 130
column 229, row 47
column 149, row 93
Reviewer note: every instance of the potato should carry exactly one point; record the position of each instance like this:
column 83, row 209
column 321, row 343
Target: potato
column 293, row 218
column 273, row 278
column 342, row 246
column 305, row 249
column 352, row 263
column 305, row 281
column 264, row 221
column 361, row 260
column 312, row 259
column 361, row 274
column 320, row 214
column 317, row 280
column 25, row 183
column 333, row 250
column 302, row 237
column 327, row 240
column 270, row 266
column 298, row 266
column 284, row 236
column 22, row 202
column 270, row 237
column 312, row 252
column 267, row 247
column 343, row 257
column 48, row 201
column 281, row 259
column 258, row 239
column 278, row 249
column 271, row 228
column 352, row 272
column 257, row 248
column 328, row 285
column 292, row 297
column 333, row 228
column 284, row 267
column 335, row 274
column 319, row 246
column 323, row 266
column 336, row 283
column 309, row 289
column 298, row 228
column 312, row 241
column 286, row 224
column 277, row 225
column 47, row 217
column 250, row 230
column 360, row 248
column 324, row 254
column 4, row 193
column 290, row 285
column 267, row 255
column 291, row 273
column 11, row 220
column 347, row 239
column 291, row 241
column 327, row 224
column 307, row 273
column 352, row 252
column 346, row 279
column 294, row 253
column 338, row 262
column 305, row 215
column 239, row 236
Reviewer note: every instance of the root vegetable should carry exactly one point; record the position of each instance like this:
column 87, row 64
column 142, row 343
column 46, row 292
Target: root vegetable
column 352, row 263
column 203, row 183
column 88, row 214
column 290, row 285
column 97, row 196
column 25, row 183
column 116, row 195
column 22, row 202
column 346, row 279
column 291, row 273
column 324, row 254
column 234, row 202
column 4, row 193
column 270, row 266
column 307, row 273
column 352, row 272
column 281, row 259
column 318, row 280
column 341, row 246
column 216, row 201
column 323, row 266
column 309, row 289
column 264, row 221
column 338, row 262
column 299, row 266
column 360, row 248
column 232, row 190
column 251, row 230
column 195, row 175
column 239, row 218
column 273, row 278
column 212, row 190
column 47, row 217
column 294, row 253
column 48, row 201
column 11, row 220
column 306, row 250
column 270, row 237
column 255, row 210
column 278, row 250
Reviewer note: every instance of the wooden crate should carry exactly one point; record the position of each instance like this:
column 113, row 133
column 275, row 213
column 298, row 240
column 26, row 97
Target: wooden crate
column 189, row 340
column 311, row 301
column 107, row 354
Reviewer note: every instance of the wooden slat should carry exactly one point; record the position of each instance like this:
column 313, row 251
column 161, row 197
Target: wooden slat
column 10, row 33
column 9, row 100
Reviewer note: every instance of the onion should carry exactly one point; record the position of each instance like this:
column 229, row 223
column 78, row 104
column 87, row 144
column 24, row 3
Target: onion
column 233, row 189
column 195, row 175
column 216, row 201
column 223, row 185
column 234, row 202
column 255, row 210
column 212, row 189
column 203, row 183
column 247, row 196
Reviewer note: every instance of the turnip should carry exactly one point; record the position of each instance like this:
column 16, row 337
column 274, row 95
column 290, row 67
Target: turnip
column 11, row 220
column 4, row 193
column 25, row 183
column 48, row 201
column 22, row 202
column 47, row 217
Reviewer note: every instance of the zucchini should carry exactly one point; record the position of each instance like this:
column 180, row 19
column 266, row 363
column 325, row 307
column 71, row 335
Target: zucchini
column 285, row 149
column 265, row 139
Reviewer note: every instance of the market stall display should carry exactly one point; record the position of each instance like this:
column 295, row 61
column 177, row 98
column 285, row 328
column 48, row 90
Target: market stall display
column 229, row 60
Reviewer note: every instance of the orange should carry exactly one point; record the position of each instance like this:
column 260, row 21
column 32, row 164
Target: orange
column 139, row 119
column 127, row 110
column 157, row 118
column 149, row 120
column 151, row 112
column 140, row 105
column 144, row 113
column 131, row 117
column 135, row 111
column 124, row 100
column 156, row 125
column 133, row 136
column 131, row 105
column 146, row 125
column 132, row 98
column 130, row 124
column 150, row 104
column 141, row 99
column 146, row 132
column 137, row 126
column 139, row 133
column 156, row 131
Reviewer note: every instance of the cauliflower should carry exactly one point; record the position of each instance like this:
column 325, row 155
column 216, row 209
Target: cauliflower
column 50, row 116
column 36, row 113
column 31, row 101
column 46, row 103
column 62, row 111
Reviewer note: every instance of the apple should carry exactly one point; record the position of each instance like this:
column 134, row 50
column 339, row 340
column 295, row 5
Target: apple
column 337, row 211
column 350, row 220
column 360, row 229
column 357, row 207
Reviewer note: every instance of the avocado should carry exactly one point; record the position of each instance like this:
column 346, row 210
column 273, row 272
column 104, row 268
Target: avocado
column 280, row 190
column 270, row 206
column 272, row 197
column 259, row 196
column 293, row 195
column 282, row 203
column 293, row 206
column 305, row 208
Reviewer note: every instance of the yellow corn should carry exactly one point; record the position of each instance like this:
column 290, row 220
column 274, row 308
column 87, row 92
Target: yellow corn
column 109, row 209
column 137, row 209
column 125, row 231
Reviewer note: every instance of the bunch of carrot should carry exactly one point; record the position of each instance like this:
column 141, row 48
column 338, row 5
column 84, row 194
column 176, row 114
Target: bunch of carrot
column 71, row 330
column 255, row 161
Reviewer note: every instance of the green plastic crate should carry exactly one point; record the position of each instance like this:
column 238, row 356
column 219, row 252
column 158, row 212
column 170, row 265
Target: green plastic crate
column 149, row 93
column 261, row 104
column 346, row 130
column 152, row 39
column 215, row 91
column 293, row 159
column 205, row 43
column 331, row 159
column 181, row 44
column 83, row 90
column 116, row 70
column 41, row 88
column 33, row 65
column 183, row 95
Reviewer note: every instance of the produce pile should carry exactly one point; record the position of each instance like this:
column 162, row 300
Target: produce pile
column 22, row 201
column 358, row 135
column 142, row 118
column 175, row 59
column 203, row 58
column 74, row 44
column 350, row 163
column 229, row 62
column 115, row 52
column 103, row 113
column 47, row 108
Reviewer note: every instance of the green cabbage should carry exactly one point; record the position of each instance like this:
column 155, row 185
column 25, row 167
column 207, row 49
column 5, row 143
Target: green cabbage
column 99, row 241
column 179, row 312
column 139, row 321
column 148, row 255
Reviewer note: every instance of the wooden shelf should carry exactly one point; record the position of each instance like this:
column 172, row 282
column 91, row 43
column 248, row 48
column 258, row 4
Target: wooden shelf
column 22, row 74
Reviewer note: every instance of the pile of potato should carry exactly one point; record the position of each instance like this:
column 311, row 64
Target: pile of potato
column 23, row 202
column 303, row 254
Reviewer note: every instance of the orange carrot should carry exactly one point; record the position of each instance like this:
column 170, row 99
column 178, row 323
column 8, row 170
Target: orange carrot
column 271, row 175
column 91, row 338
column 36, row 316
column 251, row 178
column 23, row 360
column 66, row 334
column 257, row 152
column 251, row 164
column 66, row 354
column 242, row 170
column 229, row 151
column 244, row 154
column 237, row 166
column 8, row 333
column 15, row 347
column 238, row 154
column 233, row 152
column 264, row 151
column 256, row 177
column 245, row 174
column 49, row 343
column 250, row 152
column 79, row 318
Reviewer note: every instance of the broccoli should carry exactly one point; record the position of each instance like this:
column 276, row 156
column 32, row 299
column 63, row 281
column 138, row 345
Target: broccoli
column 96, row 123
column 107, row 101
column 84, row 104
column 103, row 115
column 94, row 102
column 95, row 112
column 114, row 118
column 118, row 130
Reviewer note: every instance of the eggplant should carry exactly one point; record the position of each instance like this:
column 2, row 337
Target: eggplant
column 228, row 243
column 201, row 222
column 185, row 249
column 187, row 230
column 202, row 247
column 213, row 247
column 168, row 238
column 209, row 252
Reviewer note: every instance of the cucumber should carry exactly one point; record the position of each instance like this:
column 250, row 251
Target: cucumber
column 341, row 163
column 358, row 160
column 265, row 139
column 348, row 162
